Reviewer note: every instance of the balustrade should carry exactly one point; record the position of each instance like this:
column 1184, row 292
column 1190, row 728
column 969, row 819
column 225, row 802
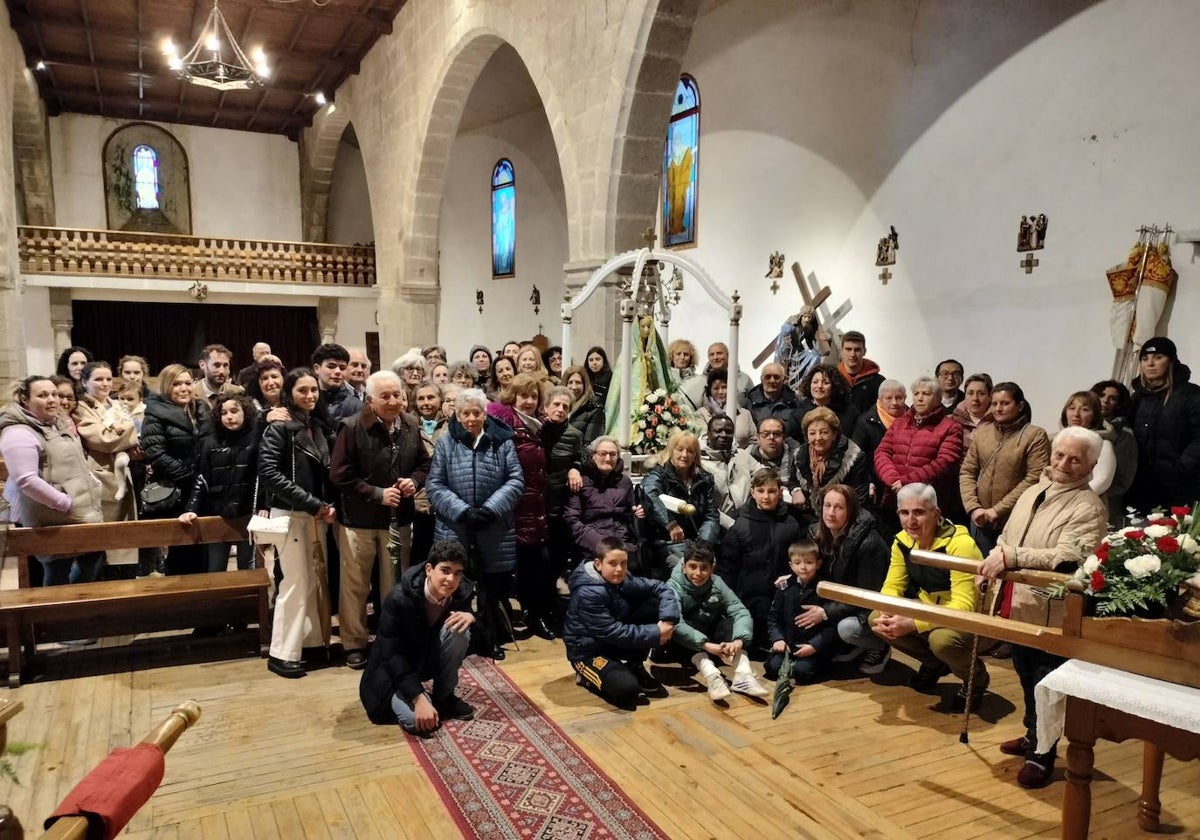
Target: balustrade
column 111, row 253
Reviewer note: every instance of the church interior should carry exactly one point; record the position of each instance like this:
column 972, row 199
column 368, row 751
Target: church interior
column 349, row 196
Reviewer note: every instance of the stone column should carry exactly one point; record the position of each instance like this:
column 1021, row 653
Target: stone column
column 327, row 318
column 408, row 317
column 62, row 319
column 598, row 321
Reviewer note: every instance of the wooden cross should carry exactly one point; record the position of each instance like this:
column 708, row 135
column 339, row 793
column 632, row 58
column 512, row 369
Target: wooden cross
column 885, row 275
column 650, row 238
column 816, row 301
column 1028, row 263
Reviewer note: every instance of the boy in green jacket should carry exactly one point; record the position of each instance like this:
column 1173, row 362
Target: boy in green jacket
column 713, row 623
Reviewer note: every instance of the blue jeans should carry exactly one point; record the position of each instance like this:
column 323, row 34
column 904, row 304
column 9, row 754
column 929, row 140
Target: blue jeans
column 57, row 570
column 854, row 630
column 984, row 537
column 445, row 681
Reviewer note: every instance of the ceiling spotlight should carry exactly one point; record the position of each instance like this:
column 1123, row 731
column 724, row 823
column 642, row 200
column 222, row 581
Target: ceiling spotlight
column 319, row 97
column 41, row 65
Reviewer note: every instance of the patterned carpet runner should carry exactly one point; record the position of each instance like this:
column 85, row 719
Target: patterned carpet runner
column 513, row 773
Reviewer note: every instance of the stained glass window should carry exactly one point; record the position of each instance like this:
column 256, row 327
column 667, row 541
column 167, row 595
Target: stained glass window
column 504, row 219
column 681, row 165
column 145, row 178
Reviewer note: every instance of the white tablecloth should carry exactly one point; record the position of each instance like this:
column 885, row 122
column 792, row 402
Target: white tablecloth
column 1162, row 702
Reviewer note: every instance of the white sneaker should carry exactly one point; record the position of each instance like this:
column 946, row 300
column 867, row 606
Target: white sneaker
column 717, row 689
column 749, row 685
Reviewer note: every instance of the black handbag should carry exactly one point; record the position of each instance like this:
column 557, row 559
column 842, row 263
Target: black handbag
column 158, row 497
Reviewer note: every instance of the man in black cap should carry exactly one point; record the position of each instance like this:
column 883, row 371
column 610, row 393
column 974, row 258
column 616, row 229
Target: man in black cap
column 1166, row 423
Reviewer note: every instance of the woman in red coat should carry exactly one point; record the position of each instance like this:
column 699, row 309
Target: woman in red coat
column 924, row 446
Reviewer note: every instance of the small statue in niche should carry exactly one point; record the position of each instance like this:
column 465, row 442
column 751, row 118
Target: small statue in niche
column 885, row 253
column 1031, row 234
column 479, row 300
column 535, row 297
column 775, row 270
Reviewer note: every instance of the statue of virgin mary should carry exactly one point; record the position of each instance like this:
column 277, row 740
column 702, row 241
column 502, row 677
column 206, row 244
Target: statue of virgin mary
column 650, row 371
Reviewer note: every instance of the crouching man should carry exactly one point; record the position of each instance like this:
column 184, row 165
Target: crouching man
column 424, row 632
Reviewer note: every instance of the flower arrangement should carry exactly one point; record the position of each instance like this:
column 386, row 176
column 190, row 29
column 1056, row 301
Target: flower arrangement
column 1142, row 570
column 654, row 420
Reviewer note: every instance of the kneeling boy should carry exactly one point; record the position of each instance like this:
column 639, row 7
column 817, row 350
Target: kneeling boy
column 423, row 633
column 613, row 620
column 811, row 647
column 713, row 622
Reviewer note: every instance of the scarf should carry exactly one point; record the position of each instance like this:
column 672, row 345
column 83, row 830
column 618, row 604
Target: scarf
column 884, row 418
column 817, row 463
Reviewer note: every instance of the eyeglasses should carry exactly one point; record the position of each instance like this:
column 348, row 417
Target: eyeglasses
column 606, row 454
column 770, row 434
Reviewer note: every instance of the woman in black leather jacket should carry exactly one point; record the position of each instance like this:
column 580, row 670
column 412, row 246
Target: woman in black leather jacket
column 293, row 470
column 175, row 424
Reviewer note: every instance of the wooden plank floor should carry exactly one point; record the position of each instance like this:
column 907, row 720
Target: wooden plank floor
column 852, row 758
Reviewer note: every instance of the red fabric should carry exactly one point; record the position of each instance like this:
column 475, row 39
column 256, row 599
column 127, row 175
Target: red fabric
column 928, row 452
column 113, row 792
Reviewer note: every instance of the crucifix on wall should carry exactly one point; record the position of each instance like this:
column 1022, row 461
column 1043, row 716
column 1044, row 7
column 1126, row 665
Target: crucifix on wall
column 808, row 337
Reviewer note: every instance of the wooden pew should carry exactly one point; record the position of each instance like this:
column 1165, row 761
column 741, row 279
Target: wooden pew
column 119, row 607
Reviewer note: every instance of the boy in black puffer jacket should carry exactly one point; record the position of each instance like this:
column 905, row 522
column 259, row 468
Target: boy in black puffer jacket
column 811, row 647
column 755, row 550
column 226, row 469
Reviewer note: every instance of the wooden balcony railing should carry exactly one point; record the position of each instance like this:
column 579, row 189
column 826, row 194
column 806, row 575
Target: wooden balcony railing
column 112, row 253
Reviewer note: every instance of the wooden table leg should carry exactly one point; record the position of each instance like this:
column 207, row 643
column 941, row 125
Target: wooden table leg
column 1149, row 808
column 264, row 623
column 13, row 635
column 1081, row 758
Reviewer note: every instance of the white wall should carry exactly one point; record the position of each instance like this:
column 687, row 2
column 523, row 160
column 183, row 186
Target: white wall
column 466, row 237
column 349, row 219
column 243, row 183
column 824, row 122
column 356, row 318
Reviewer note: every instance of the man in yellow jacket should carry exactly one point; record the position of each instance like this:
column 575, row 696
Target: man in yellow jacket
column 940, row 650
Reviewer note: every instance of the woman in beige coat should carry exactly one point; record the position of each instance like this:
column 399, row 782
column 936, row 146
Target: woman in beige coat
column 1055, row 524
column 104, row 440
column 1005, row 458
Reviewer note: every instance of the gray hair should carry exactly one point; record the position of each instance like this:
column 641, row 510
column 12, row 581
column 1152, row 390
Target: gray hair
column 594, row 445
column 463, row 367
column 412, row 358
column 470, row 395
column 1087, row 437
column 560, row 391
column 921, row 492
column 891, row 385
column 382, row 377
column 927, row 383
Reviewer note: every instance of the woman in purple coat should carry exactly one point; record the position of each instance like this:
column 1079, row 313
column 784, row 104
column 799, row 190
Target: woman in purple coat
column 518, row 407
column 603, row 507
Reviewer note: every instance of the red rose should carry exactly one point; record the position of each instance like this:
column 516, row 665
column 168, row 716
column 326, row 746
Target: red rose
column 658, row 409
column 1180, row 511
column 1097, row 580
column 1135, row 535
column 1102, row 552
column 1167, row 545
column 1169, row 523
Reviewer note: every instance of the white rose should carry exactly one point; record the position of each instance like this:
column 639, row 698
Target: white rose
column 1143, row 565
column 1090, row 565
column 1189, row 544
column 1156, row 531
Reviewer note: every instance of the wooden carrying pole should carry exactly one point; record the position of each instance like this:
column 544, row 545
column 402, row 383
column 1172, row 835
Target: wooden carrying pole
column 1172, row 656
column 163, row 736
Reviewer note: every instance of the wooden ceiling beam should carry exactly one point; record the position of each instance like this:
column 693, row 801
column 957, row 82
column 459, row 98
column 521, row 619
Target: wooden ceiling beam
column 129, row 102
column 82, row 62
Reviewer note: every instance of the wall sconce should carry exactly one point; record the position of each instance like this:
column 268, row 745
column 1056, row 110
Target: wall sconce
column 479, row 300
column 198, row 291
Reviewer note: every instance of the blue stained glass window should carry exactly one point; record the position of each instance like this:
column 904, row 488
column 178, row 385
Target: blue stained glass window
column 681, row 165
column 145, row 178
column 504, row 219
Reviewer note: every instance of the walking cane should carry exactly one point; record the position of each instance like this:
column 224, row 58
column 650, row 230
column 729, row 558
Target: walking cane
column 991, row 611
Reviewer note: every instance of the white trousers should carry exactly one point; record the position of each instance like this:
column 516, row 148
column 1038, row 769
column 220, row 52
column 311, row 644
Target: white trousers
column 302, row 600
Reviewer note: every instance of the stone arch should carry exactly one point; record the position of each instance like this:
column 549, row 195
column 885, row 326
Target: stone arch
column 174, row 214
column 318, row 152
column 635, row 177
column 463, row 65
column 31, row 152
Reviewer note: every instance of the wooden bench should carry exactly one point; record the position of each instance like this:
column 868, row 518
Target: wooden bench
column 119, row 607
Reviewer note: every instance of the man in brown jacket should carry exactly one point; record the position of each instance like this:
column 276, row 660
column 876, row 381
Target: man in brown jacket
column 1056, row 523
